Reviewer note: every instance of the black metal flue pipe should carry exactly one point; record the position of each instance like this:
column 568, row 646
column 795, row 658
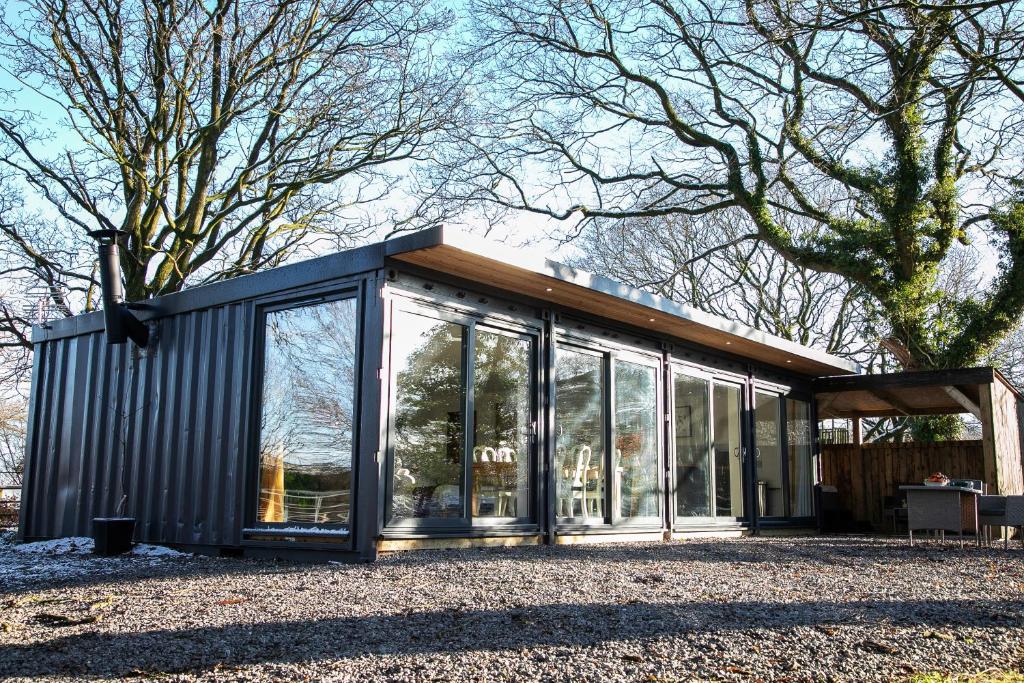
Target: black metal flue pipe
column 119, row 322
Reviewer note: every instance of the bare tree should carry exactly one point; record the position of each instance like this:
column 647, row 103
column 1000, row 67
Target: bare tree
column 12, row 441
column 893, row 127
column 710, row 263
column 221, row 136
column 1009, row 356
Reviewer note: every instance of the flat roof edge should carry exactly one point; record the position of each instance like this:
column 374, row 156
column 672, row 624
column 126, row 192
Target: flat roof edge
column 531, row 261
column 906, row 378
column 264, row 283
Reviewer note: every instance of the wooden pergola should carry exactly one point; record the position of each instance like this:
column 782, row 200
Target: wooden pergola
column 872, row 470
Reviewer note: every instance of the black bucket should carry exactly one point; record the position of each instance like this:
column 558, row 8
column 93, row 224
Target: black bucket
column 112, row 535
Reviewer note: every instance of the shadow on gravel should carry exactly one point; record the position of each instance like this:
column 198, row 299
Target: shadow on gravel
column 202, row 649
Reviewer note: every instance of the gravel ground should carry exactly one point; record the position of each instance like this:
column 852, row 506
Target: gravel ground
column 774, row 609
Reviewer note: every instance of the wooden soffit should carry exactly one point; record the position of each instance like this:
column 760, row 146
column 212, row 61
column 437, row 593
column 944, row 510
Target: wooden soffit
column 531, row 275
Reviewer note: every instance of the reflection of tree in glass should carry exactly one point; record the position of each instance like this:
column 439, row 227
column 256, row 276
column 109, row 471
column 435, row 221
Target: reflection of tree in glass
column 501, row 399
column 578, row 385
column 428, row 416
column 637, row 438
column 501, row 388
column 579, row 425
column 307, row 419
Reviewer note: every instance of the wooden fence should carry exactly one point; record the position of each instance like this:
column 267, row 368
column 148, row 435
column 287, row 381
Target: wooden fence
column 865, row 475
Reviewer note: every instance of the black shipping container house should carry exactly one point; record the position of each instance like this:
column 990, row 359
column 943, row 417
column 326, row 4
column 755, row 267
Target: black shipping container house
column 431, row 389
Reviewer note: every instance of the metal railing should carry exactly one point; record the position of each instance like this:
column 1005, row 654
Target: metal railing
column 307, row 507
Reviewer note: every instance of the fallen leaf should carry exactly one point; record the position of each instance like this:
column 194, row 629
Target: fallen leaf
column 878, row 647
column 231, row 601
column 7, row 626
column 26, row 600
column 102, row 602
column 937, row 635
column 632, row 658
column 737, row 670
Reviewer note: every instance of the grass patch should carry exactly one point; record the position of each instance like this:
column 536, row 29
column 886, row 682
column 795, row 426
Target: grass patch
column 994, row 676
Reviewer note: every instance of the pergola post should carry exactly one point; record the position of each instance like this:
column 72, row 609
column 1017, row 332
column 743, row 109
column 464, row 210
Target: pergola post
column 856, row 437
column 1001, row 439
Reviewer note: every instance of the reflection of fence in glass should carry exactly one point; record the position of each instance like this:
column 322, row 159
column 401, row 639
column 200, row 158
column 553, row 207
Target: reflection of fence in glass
column 314, row 492
column 306, row 507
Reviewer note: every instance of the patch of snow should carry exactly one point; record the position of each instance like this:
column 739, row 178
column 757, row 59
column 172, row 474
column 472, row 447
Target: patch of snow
column 81, row 545
column 147, row 550
column 74, row 545
column 63, row 559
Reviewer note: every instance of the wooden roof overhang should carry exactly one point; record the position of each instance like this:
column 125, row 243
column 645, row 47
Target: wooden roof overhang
column 927, row 392
column 519, row 271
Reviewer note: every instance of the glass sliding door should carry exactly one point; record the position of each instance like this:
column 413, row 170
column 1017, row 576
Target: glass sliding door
column 768, row 453
column 693, row 472
column 502, row 424
column 463, row 413
column 802, row 468
column 708, row 448
column 428, row 468
column 306, row 418
column 580, row 424
column 635, row 461
column 727, row 409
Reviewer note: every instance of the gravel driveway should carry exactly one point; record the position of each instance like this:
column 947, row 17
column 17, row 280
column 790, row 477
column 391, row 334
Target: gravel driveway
column 766, row 608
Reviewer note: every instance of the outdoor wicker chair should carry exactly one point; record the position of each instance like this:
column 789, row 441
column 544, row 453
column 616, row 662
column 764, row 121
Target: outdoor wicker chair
column 991, row 512
column 1014, row 518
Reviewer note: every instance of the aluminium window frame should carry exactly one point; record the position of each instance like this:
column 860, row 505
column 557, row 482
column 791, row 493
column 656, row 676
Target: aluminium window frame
column 399, row 300
column 812, row 446
column 610, row 350
column 713, row 378
column 783, row 436
column 783, row 393
column 353, row 289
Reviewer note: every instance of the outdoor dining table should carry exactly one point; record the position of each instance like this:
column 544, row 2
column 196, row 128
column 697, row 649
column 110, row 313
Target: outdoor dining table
column 942, row 508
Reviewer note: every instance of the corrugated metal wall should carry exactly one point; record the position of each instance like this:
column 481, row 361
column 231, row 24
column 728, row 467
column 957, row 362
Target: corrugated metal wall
column 172, row 421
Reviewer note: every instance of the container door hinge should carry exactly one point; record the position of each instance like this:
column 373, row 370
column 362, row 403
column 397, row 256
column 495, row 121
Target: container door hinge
column 380, row 373
column 376, row 457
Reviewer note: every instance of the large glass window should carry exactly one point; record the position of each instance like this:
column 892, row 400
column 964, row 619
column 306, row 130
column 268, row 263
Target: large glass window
column 579, row 434
column 501, row 425
column 768, row 453
column 693, row 467
column 636, row 440
column 801, row 457
column 428, row 467
column 306, row 426
column 727, row 408
column 709, row 452
column 445, row 470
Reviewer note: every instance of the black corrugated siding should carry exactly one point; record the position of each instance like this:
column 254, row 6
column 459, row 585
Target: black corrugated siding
column 180, row 411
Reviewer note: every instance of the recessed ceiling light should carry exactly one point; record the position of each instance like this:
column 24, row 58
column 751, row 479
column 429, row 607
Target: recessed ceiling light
column 789, row 361
column 547, row 289
column 728, row 343
column 651, row 319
